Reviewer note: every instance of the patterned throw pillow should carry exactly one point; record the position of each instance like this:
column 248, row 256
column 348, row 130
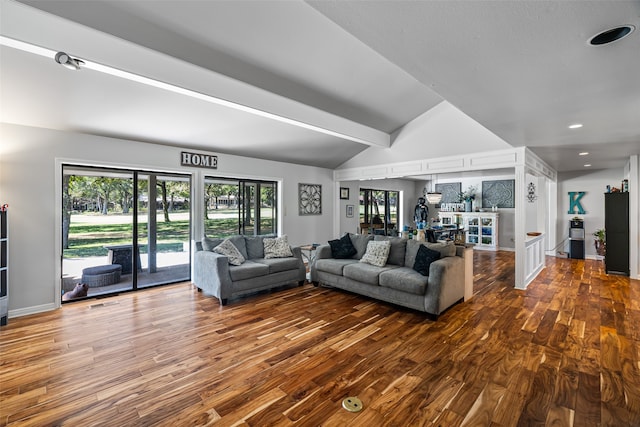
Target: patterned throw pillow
column 377, row 253
column 229, row 250
column 277, row 248
column 424, row 258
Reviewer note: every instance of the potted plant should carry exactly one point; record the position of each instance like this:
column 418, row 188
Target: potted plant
column 600, row 242
column 467, row 197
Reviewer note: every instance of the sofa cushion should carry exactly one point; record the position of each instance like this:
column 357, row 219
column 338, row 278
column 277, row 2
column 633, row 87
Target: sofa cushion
column 424, row 258
column 333, row 266
column 248, row 270
column 404, row 279
column 277, row 247
column 277, row 265
column 209, row 243
column 239, row 242
column 445, row 249
column 229, row 250
column 359, row 242
column 365, row 273
column 255, row 247
column 342, row 248
column 377, row 253
column 397, row 251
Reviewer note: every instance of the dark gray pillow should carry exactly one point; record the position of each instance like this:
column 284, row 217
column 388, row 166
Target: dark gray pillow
column 397, row 251
column 255, row 247
column 239, row 242
column 342, row 248
column 209, row 243
column 424, row 258
column 360, row 242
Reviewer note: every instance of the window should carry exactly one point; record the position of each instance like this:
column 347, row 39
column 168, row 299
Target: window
column 379, row 211
column 236, row 206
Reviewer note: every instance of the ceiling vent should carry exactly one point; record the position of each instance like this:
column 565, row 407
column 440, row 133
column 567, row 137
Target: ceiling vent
column 610, row 36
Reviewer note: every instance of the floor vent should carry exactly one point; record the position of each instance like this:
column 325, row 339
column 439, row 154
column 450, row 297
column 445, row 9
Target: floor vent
column 104, row 304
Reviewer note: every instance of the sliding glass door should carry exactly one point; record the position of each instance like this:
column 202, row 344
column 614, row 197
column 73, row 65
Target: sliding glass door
column 379, row 211
column 235, row 206
column 123, row 230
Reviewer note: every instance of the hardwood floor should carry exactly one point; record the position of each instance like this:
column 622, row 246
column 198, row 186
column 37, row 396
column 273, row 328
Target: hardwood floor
column 564, row 352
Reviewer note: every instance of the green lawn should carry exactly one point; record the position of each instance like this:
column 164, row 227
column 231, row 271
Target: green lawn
column 89, row 239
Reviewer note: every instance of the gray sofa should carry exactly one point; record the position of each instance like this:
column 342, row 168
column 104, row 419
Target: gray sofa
column 214, row 274
column 397, row 282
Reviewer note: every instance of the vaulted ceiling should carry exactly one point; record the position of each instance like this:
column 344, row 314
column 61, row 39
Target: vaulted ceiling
column 318, row 82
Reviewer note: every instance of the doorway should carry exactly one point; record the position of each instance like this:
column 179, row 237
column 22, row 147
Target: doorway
column 123, row 230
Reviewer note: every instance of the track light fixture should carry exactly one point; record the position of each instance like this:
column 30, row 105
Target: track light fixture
column 67, row 61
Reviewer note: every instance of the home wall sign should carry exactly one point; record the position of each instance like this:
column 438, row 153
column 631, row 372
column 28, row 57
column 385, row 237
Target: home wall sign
column 574, row 202
column 198, row 160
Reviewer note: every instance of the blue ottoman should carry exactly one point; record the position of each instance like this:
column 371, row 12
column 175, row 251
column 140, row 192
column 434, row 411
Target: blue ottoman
column 102, row 275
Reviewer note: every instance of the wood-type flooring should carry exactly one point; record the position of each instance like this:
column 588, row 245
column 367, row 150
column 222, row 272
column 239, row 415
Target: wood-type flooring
column 564, row 352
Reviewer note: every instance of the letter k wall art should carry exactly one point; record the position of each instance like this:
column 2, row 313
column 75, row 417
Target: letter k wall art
column 574, row 202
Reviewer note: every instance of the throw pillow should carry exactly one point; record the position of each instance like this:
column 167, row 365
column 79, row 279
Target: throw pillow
column 377, row 253
column 342, row 248
column 229, row 250
column 277, row 248
column 424, row 258
column 208, row 243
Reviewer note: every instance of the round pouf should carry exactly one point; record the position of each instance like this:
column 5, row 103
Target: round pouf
column 102, row 275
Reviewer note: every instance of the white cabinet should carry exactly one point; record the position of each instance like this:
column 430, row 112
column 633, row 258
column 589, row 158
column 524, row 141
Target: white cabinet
column 481, row 228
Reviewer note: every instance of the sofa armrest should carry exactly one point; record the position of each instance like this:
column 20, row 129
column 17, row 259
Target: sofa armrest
column 445, row 284
column 211, row 274
column 322, row 252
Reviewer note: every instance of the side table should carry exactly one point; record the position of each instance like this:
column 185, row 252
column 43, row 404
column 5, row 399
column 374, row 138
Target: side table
column 309, row 252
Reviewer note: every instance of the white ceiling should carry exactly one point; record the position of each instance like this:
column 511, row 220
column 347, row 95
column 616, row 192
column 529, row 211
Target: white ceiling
column 361, row 69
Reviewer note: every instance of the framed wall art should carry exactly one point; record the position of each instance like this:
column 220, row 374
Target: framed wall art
column 344, row 193
column 349, row 211
column 500, row 193
column 450, row 191
column 309, row 199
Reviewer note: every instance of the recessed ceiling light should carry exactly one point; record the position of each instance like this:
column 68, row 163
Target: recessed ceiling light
column 588, row 165
column 584, row 153
column 612, row 35
column 575, row 126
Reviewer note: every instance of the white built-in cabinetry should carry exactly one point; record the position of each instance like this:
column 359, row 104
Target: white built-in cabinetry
column 480, row 228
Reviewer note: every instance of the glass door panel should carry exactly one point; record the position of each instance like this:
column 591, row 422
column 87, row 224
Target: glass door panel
column 221, row 201
column 97, row 222
column 267, row 209
column 163, row 229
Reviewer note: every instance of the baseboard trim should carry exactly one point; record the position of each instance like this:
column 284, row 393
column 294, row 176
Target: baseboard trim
column 32, row 310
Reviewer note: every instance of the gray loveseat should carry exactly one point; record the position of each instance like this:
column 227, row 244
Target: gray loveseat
column 214, row 274
column 397, row 282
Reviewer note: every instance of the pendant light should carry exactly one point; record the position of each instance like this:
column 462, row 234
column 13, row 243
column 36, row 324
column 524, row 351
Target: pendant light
column 433, row 197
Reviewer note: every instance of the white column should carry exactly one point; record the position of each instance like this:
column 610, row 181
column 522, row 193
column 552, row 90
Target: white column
column 520, row 224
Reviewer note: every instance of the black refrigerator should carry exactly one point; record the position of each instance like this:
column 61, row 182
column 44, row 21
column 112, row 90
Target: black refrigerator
column 616, row 225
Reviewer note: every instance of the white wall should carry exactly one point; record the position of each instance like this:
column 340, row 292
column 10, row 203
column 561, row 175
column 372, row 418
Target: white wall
column 442, row 131
column 594, row 183
column 28, row 178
